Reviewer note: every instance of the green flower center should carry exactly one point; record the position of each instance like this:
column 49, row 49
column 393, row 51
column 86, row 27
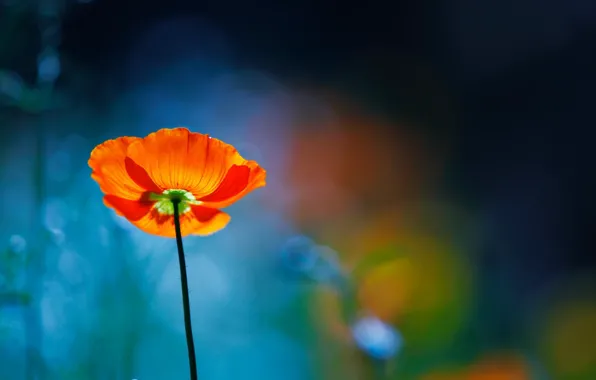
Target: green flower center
column 164, row 202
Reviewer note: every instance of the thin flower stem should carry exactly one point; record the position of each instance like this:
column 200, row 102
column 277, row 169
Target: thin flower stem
column 379, row 369
column 185, row 299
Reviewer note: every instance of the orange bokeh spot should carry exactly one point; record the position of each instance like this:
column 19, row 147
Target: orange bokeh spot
column 506, row 367
column 498, row 368
column 350, row 165
column 569, row 339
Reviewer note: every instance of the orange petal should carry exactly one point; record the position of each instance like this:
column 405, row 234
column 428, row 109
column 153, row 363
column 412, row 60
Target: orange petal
column 110, row 171
column 239, row 181
column 133, row 210
column 140, row 176
column 179, row 159
column 198, row 221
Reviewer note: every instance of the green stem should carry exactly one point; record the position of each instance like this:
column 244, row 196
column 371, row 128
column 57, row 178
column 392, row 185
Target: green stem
column 185, row 299
column 379, row 369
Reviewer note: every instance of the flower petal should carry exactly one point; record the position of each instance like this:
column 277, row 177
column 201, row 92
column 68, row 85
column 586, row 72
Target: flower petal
column 133, row 210
column 140, row 176
column 180, row 159
column 239, row 181
column 114, row 175
column 199, row 220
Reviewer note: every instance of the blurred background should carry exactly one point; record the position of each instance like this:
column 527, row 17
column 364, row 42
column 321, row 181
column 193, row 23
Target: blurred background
column 428, row 213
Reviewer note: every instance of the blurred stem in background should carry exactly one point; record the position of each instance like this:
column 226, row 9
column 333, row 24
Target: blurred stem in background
column 380, row 369
column 35, row 267
column 48, row 70
column 34, row 100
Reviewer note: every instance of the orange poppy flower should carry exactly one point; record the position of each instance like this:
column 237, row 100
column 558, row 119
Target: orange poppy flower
column 140, row 178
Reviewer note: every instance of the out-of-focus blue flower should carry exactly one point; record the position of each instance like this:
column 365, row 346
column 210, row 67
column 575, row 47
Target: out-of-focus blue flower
column 326, row 267
column 299, row 254
column 377, row 338
column 316, row 262
column 17, row 244
column 56, row 213
column 57, row 236
column 48, row 66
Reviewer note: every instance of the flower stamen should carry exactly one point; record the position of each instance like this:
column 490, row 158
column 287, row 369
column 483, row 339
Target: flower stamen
column 164, row 202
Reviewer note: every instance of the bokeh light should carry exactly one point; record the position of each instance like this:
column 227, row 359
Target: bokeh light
column 376, row 338
column 566, row 332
